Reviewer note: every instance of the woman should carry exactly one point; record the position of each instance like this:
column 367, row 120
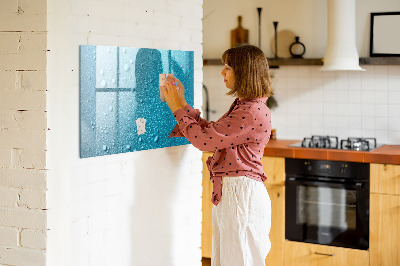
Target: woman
column 242, row 208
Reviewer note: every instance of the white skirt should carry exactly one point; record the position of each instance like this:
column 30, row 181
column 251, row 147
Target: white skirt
column 241, row 223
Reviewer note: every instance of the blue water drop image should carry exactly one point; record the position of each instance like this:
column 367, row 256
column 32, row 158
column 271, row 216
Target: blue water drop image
column 118, row 85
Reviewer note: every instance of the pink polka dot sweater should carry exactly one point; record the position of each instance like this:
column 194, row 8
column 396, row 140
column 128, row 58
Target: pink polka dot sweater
column 238, row 139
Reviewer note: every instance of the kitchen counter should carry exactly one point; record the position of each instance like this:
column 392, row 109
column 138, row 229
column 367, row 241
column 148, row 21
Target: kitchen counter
column 389, row 154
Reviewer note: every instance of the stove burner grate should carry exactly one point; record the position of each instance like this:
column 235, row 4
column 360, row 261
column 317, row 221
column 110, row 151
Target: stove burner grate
column 327, row 142
column 358, row 144
column 332, row 142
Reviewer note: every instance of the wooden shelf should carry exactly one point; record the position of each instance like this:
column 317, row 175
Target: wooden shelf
column 274, row 63
column 380, row 61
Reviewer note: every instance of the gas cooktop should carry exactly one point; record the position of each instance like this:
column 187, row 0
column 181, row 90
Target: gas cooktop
column 332, row 142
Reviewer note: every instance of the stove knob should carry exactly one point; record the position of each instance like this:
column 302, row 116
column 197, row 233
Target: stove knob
column 343, row 168
column 308, row 166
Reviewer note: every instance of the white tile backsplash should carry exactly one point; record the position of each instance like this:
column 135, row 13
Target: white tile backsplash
column 343, row 103
column 394, row 110
column 367, row 96
column 381, row 97
column 394, row 123
column 381, row 84
column 394, row 97
column 381, row 110
column 393, row 71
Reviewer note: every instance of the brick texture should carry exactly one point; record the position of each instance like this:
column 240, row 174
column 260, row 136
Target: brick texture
column 9, row 237
column 23, row 126
column 33, row 239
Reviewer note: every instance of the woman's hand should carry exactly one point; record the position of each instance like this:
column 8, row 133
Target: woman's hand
column 181, row 90
column 173, row 95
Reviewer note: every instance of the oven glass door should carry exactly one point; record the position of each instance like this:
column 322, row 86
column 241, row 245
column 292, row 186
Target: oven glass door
column 326, row 213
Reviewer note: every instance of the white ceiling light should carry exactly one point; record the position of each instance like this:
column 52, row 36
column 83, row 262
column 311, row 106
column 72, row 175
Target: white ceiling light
column 341, row 51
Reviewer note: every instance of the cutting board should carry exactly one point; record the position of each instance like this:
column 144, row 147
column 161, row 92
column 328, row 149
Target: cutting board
column 239, row 35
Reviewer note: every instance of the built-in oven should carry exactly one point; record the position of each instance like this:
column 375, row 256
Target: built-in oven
column 327, row 202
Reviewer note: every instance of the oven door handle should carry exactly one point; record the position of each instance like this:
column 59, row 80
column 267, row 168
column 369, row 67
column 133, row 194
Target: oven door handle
column 357, row 185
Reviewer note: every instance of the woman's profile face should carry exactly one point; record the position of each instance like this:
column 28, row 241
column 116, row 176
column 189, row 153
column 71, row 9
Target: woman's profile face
column 229, row 76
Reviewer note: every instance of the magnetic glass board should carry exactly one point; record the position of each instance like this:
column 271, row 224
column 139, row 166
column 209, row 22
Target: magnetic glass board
column 120, row 107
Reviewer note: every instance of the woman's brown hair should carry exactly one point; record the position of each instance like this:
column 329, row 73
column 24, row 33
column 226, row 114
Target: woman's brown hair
column 250, row 66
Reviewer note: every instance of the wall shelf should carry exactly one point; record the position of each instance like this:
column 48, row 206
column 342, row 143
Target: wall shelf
column 274, row 63
column 380, row 61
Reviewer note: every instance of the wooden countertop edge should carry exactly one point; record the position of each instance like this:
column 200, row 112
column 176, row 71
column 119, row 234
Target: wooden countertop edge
column 386, row 154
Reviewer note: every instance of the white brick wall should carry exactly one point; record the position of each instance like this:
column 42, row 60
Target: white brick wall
column 33, row 239
column 140, row 208
column 100, row 209
column 23, row 132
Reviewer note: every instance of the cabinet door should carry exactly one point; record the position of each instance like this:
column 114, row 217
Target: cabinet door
column 385, row 178
column 384, row 230
column 304, row 254
column 206, row 226
column 277, row 233
column 274, row 168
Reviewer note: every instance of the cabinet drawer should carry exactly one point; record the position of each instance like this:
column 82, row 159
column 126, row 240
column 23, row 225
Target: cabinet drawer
column 304, row 254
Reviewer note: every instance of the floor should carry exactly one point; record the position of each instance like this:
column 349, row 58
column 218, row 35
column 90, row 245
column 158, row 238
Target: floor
column 206, row 261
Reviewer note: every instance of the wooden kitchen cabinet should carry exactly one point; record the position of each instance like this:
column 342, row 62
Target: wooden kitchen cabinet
column 305, row 254
column 385, row 215
column 206, row 225
column 384, row 236
column 277, row 233
column 274, row 168
column 385, row 178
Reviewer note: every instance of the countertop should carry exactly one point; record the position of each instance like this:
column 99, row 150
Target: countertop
column 388, row 154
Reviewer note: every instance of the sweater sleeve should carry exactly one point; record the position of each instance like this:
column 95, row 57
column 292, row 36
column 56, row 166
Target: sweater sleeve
column 193, row 113
column 231, row 130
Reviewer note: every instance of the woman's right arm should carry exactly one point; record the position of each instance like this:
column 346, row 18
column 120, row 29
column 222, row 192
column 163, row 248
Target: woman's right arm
column 194, row 114
column 190, row 111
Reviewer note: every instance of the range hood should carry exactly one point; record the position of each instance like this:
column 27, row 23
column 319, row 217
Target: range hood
column 341, row 51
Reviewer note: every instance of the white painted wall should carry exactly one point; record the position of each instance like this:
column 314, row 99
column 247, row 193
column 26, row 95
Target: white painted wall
column 140, row 208
column 306, row 19
column 311, row 102
column 23, row 133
